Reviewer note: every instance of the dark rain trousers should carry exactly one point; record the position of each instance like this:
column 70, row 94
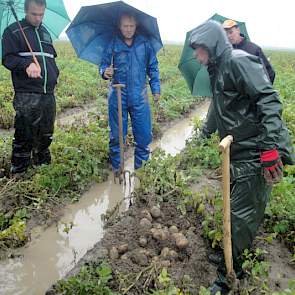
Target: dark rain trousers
column 34, row 125
column 249, row 197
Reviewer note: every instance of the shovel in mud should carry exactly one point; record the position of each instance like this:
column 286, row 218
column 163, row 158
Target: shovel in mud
column 121, row 173
column 224, row 147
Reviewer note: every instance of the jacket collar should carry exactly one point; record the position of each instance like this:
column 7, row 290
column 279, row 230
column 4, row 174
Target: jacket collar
column 25, row 23
column 138, row 39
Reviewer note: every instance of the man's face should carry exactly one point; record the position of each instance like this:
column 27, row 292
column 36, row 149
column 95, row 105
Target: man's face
column 35, row 14
column 233, row 35
column 128, row 27
column 202, row 55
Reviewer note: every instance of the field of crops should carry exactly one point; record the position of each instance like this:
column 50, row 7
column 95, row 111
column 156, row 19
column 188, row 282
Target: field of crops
column 80, row 156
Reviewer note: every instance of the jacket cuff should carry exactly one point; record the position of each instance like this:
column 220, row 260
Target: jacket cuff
column 26, row 63
column 155, row 89
column 101, row 72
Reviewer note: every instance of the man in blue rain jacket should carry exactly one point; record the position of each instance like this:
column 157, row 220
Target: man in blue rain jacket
column 128, row 60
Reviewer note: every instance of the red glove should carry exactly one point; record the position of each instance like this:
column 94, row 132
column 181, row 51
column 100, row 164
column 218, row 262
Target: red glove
column 272, row 166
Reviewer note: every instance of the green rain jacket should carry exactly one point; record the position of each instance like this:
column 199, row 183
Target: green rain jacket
column 245, row 102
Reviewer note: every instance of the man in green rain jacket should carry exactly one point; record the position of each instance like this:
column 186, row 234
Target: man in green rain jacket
column 248, row 108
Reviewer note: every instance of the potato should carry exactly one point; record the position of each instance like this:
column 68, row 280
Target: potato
column 157, row 225
column 173, row 254
column 177, row 235
column 145, row 252
column 181, row 242
column 139, row 258
column 165, row 263
column 124, row 257
column 146, row 214
column 155, row 212
column 165, row 253
column 145, row 223
column 173, row 229
column 159, row 235
column 122, row 248
column 155, row 259
column 143, row 241
column 114, row 254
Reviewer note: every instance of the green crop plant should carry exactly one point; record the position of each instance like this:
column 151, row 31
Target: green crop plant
column 92, row 279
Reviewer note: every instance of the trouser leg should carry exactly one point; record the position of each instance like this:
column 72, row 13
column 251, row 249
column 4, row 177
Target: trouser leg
column 142, row 132
column 45, row 127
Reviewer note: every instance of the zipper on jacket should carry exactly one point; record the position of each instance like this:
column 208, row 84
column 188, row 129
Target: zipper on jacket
column 44, row 61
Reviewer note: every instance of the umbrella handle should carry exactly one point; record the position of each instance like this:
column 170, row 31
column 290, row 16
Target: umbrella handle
column 224, row 147
column 24, row 35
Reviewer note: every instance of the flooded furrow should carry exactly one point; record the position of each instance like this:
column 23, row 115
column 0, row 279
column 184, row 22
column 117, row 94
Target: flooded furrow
column 53, row 252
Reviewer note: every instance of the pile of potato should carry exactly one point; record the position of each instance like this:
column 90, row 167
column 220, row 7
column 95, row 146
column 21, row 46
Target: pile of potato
column 151, row 228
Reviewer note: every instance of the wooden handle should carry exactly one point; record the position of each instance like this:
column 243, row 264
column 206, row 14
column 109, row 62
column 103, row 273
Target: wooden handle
column 118, row 85
column 224, row 146
column 120, row 123
column 225, row 143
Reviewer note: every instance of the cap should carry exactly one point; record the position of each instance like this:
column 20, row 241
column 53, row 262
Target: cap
column 229, row 23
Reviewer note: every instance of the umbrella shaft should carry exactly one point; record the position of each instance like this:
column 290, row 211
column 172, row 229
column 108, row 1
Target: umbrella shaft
column 10, row 3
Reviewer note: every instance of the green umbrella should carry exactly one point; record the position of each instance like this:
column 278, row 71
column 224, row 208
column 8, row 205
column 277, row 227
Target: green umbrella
column 55, row 18
column 194, row 73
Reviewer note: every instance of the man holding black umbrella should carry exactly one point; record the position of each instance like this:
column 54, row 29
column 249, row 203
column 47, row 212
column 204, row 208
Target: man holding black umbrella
column 34, row 75
column 128, row 60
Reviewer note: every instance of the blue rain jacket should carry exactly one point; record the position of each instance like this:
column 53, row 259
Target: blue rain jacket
column 132, row 66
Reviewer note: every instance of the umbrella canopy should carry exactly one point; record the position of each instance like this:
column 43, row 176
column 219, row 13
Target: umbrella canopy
column 94, row 27
column 195, row 74
column 55, row 18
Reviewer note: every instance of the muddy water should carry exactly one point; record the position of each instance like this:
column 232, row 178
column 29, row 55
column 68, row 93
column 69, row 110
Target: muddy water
column 53, row 252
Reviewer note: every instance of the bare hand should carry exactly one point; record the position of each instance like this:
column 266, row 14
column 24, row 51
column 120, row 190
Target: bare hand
column 109, row 72
column 156, row 98
column 33, row 71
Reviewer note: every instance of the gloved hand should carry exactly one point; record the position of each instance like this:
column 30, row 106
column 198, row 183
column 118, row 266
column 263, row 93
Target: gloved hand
column 272, row 166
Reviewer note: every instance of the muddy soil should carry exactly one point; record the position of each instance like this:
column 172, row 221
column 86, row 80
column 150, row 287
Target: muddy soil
column 141, row 261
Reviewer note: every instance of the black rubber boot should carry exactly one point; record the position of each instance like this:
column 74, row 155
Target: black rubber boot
column 215, row 288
